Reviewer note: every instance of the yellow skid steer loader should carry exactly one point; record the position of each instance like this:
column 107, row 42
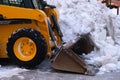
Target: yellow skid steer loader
column 29, row 31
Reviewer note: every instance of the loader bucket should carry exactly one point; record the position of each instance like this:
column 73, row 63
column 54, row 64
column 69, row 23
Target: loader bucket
column 67, row 60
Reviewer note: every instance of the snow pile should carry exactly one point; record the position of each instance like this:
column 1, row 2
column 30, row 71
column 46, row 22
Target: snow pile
column 81, row 17
column 9, row 71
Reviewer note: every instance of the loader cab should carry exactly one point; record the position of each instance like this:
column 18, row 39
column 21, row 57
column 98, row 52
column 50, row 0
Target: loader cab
column 22, row 3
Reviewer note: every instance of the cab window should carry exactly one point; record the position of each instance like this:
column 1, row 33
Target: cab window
column 18, row 3
column 37, row 4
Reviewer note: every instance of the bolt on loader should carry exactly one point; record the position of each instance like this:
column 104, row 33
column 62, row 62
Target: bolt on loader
column 29, row 30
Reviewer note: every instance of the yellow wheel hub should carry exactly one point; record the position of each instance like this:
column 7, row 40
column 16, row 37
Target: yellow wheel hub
column 25, row 49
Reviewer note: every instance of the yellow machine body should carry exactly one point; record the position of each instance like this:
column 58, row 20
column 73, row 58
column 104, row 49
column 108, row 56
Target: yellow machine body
column 38, row 22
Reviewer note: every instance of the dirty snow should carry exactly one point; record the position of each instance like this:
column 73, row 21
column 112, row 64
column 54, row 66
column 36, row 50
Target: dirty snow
column 90, row 16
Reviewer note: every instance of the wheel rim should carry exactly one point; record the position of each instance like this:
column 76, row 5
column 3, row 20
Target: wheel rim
column 25, row 49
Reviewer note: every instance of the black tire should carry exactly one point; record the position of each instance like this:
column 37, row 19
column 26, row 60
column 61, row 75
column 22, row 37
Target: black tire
column 37, row 38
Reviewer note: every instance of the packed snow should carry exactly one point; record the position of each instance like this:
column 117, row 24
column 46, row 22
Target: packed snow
column 91, row 16
column 87, row 16
column 9, row 71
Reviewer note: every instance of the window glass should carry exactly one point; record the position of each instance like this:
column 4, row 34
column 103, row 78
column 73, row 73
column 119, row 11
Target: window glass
column 15, row 2
column 5, row 2
column 39, row 4
column 35, row 3
column 18, row 3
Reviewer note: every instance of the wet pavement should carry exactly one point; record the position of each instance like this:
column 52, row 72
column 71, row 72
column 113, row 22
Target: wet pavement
column 45, row 72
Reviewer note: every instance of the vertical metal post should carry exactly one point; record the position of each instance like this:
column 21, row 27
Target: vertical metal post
column 110, row 2
column 118, row 10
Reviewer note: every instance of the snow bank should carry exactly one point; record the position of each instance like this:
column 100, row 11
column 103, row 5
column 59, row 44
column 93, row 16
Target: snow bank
column 81, row 17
